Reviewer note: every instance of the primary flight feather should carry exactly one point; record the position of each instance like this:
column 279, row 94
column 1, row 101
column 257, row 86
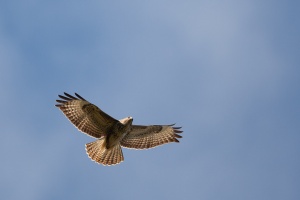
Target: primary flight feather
column 111, row 134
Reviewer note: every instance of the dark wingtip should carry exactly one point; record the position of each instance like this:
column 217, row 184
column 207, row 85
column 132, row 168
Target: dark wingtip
column 175, row 140
column 177, row 127
column 64, row 98
column 80, row 97
column 177, row 136
column 177, row 131
column 60, row 101
column 70, row 96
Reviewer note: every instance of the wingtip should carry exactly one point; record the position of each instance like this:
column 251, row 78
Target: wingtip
column 177, row 127
column 177, row 136
column 177, row 131
column 70, row 96
column 80, row 97
column 60, row 101
column 175, row 140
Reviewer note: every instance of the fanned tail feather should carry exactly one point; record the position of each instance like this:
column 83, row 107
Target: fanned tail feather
column 97, row 151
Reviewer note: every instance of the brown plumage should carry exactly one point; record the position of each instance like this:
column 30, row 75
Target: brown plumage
column 111, row 134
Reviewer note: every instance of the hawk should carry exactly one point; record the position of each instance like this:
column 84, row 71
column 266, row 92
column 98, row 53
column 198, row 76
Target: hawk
column 112, row 134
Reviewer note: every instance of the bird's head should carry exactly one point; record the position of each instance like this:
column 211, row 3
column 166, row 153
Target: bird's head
column 126, row 121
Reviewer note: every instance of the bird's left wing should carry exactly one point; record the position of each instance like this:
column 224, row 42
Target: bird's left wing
column 145, row 137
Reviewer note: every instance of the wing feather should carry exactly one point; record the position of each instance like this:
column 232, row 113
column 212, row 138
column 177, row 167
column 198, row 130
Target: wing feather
column 87, row 117
column 145, row 137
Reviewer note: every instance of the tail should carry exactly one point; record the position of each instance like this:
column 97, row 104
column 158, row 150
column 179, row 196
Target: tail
column 97, row 151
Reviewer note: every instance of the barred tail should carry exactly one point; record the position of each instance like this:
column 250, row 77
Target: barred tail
column 97, row 151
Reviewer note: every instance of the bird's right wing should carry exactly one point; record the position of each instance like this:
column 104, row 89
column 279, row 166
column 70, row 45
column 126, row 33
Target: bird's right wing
column 87, row 117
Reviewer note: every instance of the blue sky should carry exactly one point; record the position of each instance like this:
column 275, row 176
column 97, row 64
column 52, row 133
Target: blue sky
column 226, row 71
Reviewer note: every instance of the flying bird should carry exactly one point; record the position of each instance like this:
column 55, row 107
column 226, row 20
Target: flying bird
column 112, row 134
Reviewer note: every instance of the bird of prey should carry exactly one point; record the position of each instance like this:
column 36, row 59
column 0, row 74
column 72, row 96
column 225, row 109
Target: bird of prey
column 111, row 134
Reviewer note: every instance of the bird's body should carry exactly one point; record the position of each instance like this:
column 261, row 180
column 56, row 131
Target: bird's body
column 118, row 131
column 111, row 134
